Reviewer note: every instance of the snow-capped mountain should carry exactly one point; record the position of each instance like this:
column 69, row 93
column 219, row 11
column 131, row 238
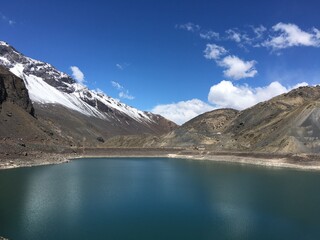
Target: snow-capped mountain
column 48, row 86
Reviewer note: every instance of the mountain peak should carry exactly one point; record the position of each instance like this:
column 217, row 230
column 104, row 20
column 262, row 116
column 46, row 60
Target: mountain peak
column 2, row 43
column 47, row 85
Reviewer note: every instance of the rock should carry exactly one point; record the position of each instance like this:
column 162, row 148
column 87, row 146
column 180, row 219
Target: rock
column 100, row 139
column 14, row 90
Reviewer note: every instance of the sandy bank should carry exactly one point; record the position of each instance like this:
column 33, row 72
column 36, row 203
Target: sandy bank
column 303, row 162
column 258, row 161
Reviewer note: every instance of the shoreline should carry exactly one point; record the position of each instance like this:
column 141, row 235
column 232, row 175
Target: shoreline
column 253, row 161
column 299, row 162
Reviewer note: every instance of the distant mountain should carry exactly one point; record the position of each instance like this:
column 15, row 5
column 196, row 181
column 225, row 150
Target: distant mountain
column 288, row 123
column 44, row 107
column 73, row 111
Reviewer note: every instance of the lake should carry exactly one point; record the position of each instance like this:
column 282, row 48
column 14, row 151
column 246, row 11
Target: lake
column 158, row 198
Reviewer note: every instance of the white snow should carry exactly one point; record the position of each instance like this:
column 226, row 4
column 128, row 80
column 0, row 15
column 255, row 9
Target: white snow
column 4, row 43
column 17, row 70
column 4, row 60
column 112, row 103
column 42, row 92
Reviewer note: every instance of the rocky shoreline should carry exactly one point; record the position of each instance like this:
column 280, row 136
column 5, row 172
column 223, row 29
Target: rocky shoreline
column 276, row 162
column 301, row 161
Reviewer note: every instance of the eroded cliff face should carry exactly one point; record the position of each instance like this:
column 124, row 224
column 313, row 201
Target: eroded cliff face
column 13, row 89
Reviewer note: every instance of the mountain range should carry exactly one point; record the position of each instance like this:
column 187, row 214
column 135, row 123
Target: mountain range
column 43, row 109
column 47, row 108
column 286, row 124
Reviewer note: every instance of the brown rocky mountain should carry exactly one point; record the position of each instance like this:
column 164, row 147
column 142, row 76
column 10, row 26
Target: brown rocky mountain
column 20, row 130
column 65, row 115
column 31, row 128
column 289, row 123
column 69, row 110
column 13, row 89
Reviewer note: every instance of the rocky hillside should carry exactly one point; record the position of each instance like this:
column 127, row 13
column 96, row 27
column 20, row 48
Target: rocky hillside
column 30, row 130
column 13, row 89
column 289, row 123
column 59, row 99
column 43, row 110
column 65, row 114
column 203, row 129
column 20, row 130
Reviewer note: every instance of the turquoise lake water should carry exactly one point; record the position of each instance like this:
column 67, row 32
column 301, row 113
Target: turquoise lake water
column 158, row 198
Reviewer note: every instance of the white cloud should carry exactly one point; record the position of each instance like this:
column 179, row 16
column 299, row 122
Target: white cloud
column 233, row 35
column 7, row 20
column 126, row 95
column 214, row 51
column 122, row 66
column 123, row 93
column 116, row 85
column 290, row 35
column 191, row 27
column 237, row 69
column 259, row 31
column 222, row 95
column 316, row 32
column 208, row 35
column 227, row 95
column 302, row 84
column 99, row 91
column 242, row 37
column 77, row 74
column 119, row 66
column 183, row 111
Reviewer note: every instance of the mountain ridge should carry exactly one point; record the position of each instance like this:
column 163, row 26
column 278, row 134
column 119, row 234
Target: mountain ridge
column 286, row 124
column 49, row 87
column 44, row 111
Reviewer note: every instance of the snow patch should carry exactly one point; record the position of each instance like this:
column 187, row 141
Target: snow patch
column 2, row 43
column 44, row 93
column 41, row 92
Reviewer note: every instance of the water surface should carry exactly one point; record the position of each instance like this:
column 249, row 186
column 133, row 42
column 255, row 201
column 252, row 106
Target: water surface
column 158, row 199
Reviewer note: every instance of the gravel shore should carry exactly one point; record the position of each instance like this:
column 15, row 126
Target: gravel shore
column 301, row 161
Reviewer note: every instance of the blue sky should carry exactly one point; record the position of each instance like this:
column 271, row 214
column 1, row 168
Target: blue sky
column 176, row 58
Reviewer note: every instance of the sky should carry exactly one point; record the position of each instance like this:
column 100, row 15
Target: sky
column 175, row 58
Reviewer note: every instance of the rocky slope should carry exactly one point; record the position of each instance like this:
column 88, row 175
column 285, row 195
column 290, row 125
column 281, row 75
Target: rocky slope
column 20, row 131
column 59, row 99
column 63, row 114
column 43, row 110
column 289, row 123
column 13, row 89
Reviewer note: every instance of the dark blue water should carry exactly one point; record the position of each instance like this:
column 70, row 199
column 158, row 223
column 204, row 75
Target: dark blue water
column 158, row 199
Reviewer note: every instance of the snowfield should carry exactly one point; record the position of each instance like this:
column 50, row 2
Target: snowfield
column 76, row 98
